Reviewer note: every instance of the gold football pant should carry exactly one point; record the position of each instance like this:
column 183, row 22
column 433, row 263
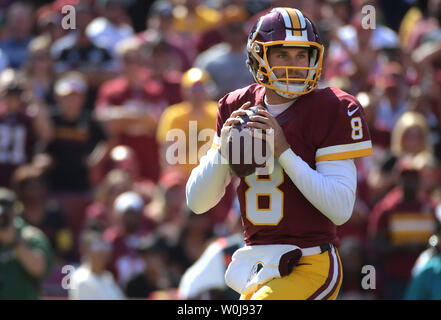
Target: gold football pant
column 315, row 277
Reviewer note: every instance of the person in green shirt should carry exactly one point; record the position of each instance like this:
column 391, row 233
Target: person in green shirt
column 25, row 253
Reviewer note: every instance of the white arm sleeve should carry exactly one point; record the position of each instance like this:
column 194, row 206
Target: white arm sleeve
column 206, row 184
column 331, row 188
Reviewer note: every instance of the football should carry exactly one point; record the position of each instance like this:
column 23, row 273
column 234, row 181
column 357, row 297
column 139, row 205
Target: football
column 245, row 152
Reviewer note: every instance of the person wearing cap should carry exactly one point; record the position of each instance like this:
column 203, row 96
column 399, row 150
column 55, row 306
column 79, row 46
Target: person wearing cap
column 20, row 130
column 92, row 281
column 25, row 253
column 76, row 136
column 130, row 226
column 224, row 61
column 399, row 228
column 196, row 113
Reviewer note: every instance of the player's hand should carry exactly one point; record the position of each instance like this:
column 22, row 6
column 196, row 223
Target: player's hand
column 228, row 125
column 265, row 121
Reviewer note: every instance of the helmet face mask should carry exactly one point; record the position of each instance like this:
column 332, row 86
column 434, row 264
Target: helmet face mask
column 272, row 30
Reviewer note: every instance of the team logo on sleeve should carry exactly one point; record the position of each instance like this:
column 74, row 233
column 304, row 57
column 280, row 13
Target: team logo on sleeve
column 255, row 270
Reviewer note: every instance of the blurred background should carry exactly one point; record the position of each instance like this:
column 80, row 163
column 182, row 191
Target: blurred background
column 84, row 117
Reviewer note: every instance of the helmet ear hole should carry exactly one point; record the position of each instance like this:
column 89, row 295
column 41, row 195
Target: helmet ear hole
column 313, row 55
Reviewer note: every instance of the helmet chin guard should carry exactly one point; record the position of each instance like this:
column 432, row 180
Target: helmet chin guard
column 285, row 27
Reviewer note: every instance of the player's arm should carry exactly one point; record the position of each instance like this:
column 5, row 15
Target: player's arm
column 331, row 188
column 207, row 182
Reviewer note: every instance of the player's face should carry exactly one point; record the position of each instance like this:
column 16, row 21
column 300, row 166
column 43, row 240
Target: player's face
column 289, row 57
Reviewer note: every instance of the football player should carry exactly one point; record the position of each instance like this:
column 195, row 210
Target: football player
column 290, row 215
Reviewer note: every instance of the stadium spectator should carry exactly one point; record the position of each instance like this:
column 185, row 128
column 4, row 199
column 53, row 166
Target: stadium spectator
column 355, row 52
column 123, row 175
column 92, row 281
column 38, row 71
column 194, row 120
column 159, row 22
column 191, row 18
column 76, row 52
column 225, row 61
column 410, row 137
column 25, row 253
column 20, row 130
column 168, row 206
column 166, row 68
column 130, row 107
column 421, row 20
column 112, row 24
column 426, row 276
column 392, row 83
column 114, row 183
column 194, row 116
column 399, row 228
column 130, row 226
column 48, row 21
column 76, row 136
column 19, row 23
column 38, row 211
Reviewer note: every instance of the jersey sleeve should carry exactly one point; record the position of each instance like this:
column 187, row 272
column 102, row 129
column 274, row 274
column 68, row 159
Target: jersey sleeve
column 346, row 133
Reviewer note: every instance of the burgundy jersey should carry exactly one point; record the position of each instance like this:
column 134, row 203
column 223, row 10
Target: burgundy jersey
column 150, row 99
column 17, row 141
column 402, row 223
column 326, row 124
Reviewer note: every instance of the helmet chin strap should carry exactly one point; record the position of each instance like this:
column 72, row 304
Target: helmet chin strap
column 291, row 87
column 287, row 95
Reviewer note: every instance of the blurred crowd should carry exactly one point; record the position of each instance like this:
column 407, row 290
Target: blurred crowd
column 87, row 106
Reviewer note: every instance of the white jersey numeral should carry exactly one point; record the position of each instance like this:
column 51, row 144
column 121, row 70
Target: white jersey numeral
column 357, row 128
column 265, row 186
column 12, row 144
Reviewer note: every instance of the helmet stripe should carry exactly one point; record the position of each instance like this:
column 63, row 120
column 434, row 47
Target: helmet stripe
column 295, row 22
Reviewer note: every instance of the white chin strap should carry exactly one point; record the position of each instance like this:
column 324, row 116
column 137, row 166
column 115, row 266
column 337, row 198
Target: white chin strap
column 291, row 87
